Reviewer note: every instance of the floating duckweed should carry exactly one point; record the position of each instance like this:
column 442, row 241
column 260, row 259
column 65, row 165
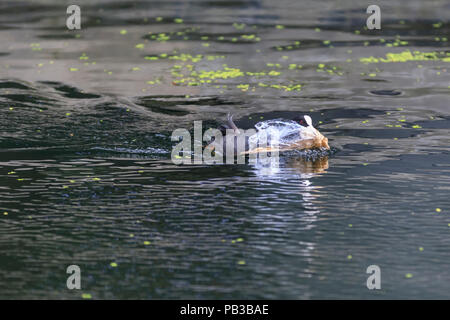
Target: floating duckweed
column 326, row 42
column 416, row 126
column 159, row 19
column 123, row 31
column 221, row 74
column 273, row 65
column 86, row 296
column 279, row 26
column 317, row 29
column 405, row 56
column 35, row 47
column 185, row 57
column 96, row 179
column 243, row 87
column 293, row 87
column 248, row 37
column 146, row 243
column 239, row 26
column 408, row 275
column 5, row 213
column 241, row 262
column 140, row 46
column 113, row 264
column 438, row 210
column 157, row 81
column 73, row 69
column 420, row 248
column 274, row 73
column 349, row 257
column 178, row 20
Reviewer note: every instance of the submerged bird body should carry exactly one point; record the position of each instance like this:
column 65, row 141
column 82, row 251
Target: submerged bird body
column 308, row 138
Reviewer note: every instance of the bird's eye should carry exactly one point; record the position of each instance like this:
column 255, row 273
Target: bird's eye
column 302, row 121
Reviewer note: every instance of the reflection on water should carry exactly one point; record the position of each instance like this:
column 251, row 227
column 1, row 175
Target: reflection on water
column 306, row 166
column 86, row 176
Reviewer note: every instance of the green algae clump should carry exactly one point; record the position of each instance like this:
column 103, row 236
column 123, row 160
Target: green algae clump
column 406, row 56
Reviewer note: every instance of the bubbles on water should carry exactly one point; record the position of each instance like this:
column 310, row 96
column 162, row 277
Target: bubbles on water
column 280, row 133
column 276, row 132
column 147, row 151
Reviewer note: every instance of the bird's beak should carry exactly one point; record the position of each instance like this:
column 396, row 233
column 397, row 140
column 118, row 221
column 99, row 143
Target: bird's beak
column 325, row 143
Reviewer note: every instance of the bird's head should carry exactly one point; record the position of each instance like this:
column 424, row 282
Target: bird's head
column 304, row 121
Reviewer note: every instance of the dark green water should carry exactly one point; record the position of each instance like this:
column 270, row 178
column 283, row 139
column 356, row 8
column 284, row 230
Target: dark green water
column 86, row 176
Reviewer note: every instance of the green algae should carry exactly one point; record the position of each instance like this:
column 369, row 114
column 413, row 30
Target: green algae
column 239, row 26
column 225, row 73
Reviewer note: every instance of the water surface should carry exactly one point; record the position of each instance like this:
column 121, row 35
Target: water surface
column 86, row 176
